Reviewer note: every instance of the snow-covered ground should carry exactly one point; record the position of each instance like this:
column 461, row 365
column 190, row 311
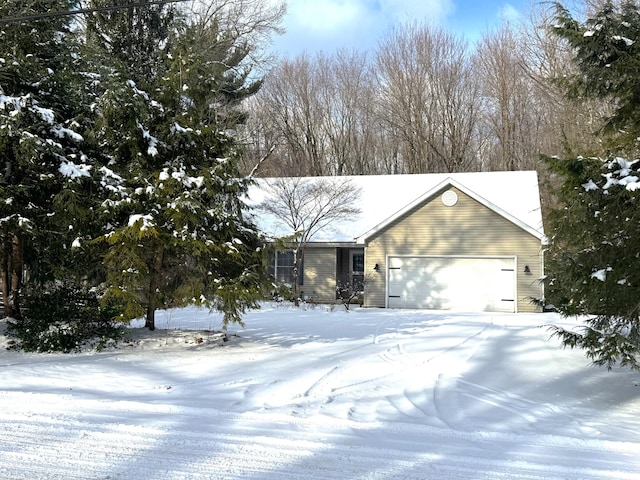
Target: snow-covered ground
column 312, row 393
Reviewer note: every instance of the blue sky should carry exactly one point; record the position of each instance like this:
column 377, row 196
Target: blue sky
column 326, row 25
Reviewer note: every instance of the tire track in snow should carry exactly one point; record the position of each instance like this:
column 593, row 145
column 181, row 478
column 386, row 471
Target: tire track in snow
column 332, row 384
column 92, row 439
column 369, row 401
column 107, row 445
column 438, row 374
column 450, row 365
column 72, row 436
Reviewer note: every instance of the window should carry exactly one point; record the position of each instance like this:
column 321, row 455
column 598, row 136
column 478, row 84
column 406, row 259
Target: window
column 282, row 268
column 357, row 271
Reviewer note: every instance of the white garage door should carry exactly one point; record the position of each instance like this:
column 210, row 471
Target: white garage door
column 452, row 283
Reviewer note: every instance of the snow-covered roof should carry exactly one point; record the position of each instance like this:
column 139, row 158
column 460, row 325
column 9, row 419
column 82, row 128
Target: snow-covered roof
column 514, row 195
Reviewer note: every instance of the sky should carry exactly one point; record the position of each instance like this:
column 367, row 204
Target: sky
column 326, row 25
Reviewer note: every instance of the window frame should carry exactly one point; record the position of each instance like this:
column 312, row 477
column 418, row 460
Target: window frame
column 279, row 270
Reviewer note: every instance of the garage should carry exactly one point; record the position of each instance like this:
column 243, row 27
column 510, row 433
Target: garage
column 471, row 284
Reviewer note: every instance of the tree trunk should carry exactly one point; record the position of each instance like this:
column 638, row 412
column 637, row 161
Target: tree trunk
column 11, row 274
column 17, row 268
column 297, row 263
column 154, row 277
column 6, row 276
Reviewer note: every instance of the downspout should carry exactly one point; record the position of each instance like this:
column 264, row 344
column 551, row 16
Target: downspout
column 542, row 278
column 543, row 275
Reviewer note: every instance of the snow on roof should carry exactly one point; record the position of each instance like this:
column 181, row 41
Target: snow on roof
column 514, row 195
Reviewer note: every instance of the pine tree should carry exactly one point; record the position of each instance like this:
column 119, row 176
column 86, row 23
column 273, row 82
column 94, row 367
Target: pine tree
column 176, row 230
column 46, row 173
column 593, row 262
column 607, row 56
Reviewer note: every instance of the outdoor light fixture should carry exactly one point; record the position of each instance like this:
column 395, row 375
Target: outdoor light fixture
column 376, row 267
column 527, row 269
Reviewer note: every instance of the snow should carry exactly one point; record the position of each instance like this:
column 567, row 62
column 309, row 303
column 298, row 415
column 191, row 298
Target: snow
column 182, row 177
column 590, row 185
column 61, row 132
column 621, row 174
column 152, row 149
column 146, row 221
column 624, row 166
column 15, row 103
column 317, row 392
column 132, row 85
column 382, row 197
column 626, row 40
column 180, row 129
column 72, row 171
column 46, row 114
column 601, row 274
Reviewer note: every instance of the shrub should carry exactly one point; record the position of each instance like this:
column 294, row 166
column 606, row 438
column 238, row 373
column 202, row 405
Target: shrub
column 65, row 317
column 281, row 293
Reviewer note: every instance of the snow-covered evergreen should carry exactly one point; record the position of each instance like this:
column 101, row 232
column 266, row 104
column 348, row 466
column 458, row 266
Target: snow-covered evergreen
column 174, row 221
column 47, row 165
column 120, row 163
column 593, row 261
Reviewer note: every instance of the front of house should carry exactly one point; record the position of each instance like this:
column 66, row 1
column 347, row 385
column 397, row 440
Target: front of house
column 466, row 242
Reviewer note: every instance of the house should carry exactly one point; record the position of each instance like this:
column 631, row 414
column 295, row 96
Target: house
column 462, row 241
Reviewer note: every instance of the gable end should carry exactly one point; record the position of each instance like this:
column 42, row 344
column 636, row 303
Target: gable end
column 437, row 192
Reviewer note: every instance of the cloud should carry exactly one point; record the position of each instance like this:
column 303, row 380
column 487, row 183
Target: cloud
column 406, row 10
column 327, row 24
column 323, row 15
column 509, row 13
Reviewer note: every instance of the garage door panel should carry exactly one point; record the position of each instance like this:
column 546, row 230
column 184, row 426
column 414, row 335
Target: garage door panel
column 412, row 282
column 471, row 284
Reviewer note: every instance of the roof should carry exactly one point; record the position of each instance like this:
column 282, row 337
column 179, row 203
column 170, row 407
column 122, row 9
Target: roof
column 383, row 198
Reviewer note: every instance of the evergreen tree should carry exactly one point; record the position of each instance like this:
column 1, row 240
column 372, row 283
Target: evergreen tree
column 110, row 32
column 175, row 225
column 45, row 178
column 593, row 262
column 607, row 56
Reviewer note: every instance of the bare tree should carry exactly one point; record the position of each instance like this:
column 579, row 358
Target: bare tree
column 424, row 101
column 304, row 207
column 290, row 113
column 261, row 142
column 317, row 111
column 252, row 22
column 510, row 113
column 562, row 123
column 347, row 93
column 429, row 98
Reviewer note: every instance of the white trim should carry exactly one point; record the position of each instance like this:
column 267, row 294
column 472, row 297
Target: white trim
column 481, row 257
column 449, row 198
column 431, row 193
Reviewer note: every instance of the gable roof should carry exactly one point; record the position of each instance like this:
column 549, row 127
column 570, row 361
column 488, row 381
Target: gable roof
column 384, row 198
column 449, row 182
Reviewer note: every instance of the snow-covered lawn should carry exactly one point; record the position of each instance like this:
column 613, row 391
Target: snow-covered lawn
column 319, row 394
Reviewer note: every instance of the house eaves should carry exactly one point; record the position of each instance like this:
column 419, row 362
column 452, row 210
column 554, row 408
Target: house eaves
column 313, row 244
column 449, row 182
